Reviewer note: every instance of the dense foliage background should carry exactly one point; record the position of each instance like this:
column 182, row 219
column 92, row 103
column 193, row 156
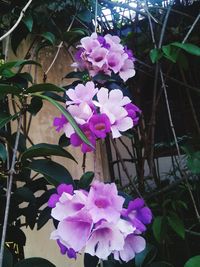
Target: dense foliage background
column 165, row 38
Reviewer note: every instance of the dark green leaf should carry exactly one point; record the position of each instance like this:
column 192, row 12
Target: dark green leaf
column 190, row 48
column 34, row 262
column 54, row 170
column 35, row 105
column 25, row 194
column 193, row 262
column 86, row 180
column 49, row 36
column 77, row 75
column 7, row 258
column 64, row 141
column 5, row 118
column 44, row 87
column 155, row 55
column 68, row 117
column 74, row 35
column 193, row 162
column 170, row 52
column 90, row 261
column 42, row 150
column 176, row 224
column 28, row 21
column 146, row 256
column 17, row 63
column 85, row 16
column 8, row 89
column 44, row 216
column 3, row 153
column 157, row 228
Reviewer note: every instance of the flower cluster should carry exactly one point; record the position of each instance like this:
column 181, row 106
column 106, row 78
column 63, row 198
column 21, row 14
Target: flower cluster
column 96, row 222
column 97, row 112
column 99, row 54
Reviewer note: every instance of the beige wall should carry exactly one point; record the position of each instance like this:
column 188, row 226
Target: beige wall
column 38, row 243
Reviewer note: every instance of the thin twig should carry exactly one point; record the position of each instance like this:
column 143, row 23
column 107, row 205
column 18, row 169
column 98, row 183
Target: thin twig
column 17, row 22
column 9, row 190
column 191, row 29
column 125, row 169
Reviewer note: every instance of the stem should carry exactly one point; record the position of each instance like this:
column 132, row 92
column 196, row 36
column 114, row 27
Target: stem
column 9, row 190
column 125, row 169
column 17, row 22
column 191, row 29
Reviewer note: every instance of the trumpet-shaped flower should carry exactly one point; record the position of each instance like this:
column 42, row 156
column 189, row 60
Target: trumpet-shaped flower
column 104, row 202
column 81, row 93
column 98, row 57
column 133, row 244
column 138, row 214
column 133, row 112
column 62, row 188
column 81, row 113
column 104, row 239
column 64, row 250
column 99, row 124
column 75, row 140
column 60, row 122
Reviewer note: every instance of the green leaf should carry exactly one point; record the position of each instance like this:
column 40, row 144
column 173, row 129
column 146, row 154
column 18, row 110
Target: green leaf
column 43, row 150
column 77, row 75
column 160, row 264
column 85, row 16
column 157, row 228
column 5, row 118
column 9, row 89
column 170, row 52
column 43, row 218
column 28, row 21
column 25, row 194
column 34, row 262
column 190, row 48
column 176, row 224
column 86, row 180
column 17, row 63
column 3, row 153
column 35, row 105
column 193, row 162
column 64, row 141
column 7, row 258
column 49, row 36
column 44, row 87
column 193, row 262
column 68, row 117
column 57, row 173
column 146, row 256
column 155, row 55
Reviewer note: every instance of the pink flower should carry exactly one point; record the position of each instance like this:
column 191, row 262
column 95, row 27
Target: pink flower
column 81, row 93
column 114, row 42
column 99, row 124
column 127, row 71
column 74, row 231
column 90, row 43
column 98, row 57
column 115, row 61
column 133, row 244
column 112, row 104
column 81, row 113
column 104, row 239
column 104, row 203
column 68, row 205
column 75, row 140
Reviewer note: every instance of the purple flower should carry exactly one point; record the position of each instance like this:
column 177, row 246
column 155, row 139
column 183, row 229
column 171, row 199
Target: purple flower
column 137, row 214
column 104, row 203
column 64, row 250
column 59, row 122
column 54, row 198
column 99, row 124
column 75, row 140
column 133, row 111
column 102, row 42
